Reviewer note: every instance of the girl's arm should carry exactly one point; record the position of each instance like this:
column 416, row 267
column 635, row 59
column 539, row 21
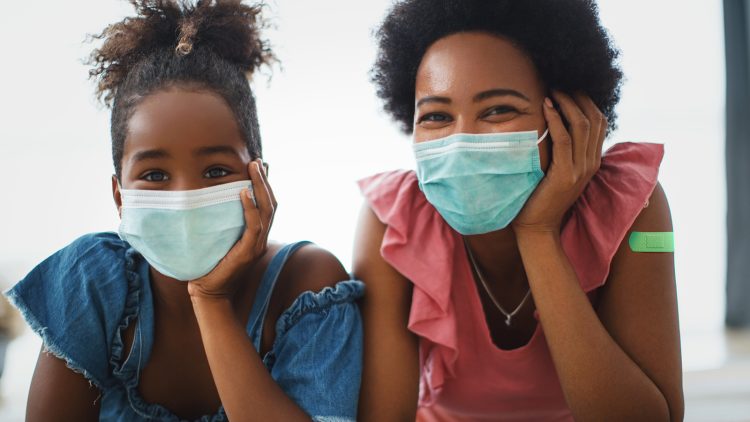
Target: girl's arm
column 390, row 376
column 626, row 365
column 245, row 387
column 59, row 394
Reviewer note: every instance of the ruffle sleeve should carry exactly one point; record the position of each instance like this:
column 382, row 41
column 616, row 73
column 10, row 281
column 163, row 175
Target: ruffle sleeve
column 608, row 207
column 76, row 299
column 317, row 355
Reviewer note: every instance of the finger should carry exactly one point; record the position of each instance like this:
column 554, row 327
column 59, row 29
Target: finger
column 243, row 252
column 265, row 205
column 262, row 194
column 596, row 118
column 579, row 126
column 253, row 225
column 264, row 173
column 562, row 144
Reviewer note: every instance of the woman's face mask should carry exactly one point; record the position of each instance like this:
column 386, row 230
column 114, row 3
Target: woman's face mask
column 479, row 182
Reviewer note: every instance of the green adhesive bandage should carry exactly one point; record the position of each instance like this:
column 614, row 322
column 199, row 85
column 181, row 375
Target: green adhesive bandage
column 651, row 241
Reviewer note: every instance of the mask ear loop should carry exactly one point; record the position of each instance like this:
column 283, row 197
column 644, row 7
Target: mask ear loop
column 546, row 132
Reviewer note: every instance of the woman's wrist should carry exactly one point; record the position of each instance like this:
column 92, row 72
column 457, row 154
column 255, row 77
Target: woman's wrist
column 531, row 238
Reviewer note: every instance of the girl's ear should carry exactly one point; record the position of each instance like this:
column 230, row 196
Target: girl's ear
column 116, row 195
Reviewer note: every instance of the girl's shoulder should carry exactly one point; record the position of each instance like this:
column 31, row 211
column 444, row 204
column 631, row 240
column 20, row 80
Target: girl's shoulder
column 76, row 299
column 312, row 270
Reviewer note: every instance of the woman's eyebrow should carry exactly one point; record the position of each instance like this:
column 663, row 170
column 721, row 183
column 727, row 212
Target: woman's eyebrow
column 433, row 99
column 499, row 92
column 219, row 149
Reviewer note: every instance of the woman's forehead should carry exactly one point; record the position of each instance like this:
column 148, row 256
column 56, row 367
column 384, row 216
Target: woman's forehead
column 474, row 62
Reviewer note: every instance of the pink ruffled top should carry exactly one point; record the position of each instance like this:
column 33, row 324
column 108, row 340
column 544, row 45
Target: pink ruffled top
column 464, row 376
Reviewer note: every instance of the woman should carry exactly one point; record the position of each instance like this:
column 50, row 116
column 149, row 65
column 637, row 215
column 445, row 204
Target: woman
column 190, row 313
column 505, row 258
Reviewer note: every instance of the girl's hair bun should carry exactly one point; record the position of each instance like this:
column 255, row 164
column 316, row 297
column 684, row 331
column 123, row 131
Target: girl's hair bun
column 228, row 28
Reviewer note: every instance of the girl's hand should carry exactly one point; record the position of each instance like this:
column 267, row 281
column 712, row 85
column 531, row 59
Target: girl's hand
column 575, row 159
column 223, row 280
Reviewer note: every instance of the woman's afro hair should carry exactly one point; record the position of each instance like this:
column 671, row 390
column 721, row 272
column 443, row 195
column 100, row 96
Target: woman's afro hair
column 564, row 38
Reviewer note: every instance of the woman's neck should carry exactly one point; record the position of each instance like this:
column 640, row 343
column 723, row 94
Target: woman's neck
column 498, row 258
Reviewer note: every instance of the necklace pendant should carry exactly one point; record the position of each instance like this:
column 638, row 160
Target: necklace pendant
column 507, row 321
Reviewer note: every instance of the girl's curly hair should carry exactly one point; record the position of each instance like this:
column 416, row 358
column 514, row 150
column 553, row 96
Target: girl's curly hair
column 210, row 44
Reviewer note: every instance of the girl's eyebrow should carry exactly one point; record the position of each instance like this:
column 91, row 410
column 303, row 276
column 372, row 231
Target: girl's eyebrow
column 219, row 149
column 149, row 154
column 499, row 92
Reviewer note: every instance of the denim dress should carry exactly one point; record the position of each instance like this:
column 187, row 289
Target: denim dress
column 82, row 298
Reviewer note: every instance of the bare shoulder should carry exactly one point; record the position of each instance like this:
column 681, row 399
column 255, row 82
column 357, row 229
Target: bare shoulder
column 656, row 215
column 641, row 274
column 311, row 268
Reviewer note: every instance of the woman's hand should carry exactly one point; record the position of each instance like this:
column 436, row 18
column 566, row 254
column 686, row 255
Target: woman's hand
column 576, row 157
column 223, row 280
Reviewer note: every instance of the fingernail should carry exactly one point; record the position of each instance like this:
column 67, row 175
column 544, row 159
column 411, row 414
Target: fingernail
column 548, row 102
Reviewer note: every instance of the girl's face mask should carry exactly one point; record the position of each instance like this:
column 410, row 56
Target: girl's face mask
column 479, row 182
column 183, row 234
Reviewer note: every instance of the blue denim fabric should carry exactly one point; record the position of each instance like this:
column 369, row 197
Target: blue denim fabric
column 80, row 300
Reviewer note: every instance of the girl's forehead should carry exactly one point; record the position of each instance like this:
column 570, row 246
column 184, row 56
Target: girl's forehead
column 182, row 120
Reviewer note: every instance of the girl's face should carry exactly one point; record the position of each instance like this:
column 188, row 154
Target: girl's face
column 182, row 140
column 474, row 82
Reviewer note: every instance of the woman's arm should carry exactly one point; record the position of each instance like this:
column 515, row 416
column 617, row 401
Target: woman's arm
column 390, row 377
column 623, row 364
column 59, row 394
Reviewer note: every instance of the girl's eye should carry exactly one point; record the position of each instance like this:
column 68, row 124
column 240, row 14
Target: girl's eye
column 435, row 117
column 216, row 172
column 156, row 176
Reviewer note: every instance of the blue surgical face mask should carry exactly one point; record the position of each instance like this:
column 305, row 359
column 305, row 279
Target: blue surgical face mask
column 183, row 234
column 479, row 182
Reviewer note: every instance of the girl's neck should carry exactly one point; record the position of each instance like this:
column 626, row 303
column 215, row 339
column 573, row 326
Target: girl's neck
column 171, row 296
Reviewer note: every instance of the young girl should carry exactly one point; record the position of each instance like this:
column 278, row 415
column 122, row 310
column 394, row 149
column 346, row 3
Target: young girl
column 535, row 273
column 189, row 313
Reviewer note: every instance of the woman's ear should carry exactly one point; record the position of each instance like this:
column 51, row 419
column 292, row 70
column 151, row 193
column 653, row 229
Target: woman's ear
column 116, row 195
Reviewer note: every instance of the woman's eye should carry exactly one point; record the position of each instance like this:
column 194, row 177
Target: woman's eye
column 435, row 117
column 216, row 172
column 494, row 111
column 155, row 176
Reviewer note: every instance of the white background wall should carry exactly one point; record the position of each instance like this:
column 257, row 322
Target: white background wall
column 323, row 129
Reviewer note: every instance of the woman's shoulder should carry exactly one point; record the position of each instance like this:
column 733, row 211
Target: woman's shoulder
column 607, row 209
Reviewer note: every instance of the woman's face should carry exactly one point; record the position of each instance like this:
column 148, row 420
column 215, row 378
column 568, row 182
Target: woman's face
column 182, row 140
column 474, row 82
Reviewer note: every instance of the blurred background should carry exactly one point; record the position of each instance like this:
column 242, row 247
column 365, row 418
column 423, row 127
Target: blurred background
column 323, row 129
